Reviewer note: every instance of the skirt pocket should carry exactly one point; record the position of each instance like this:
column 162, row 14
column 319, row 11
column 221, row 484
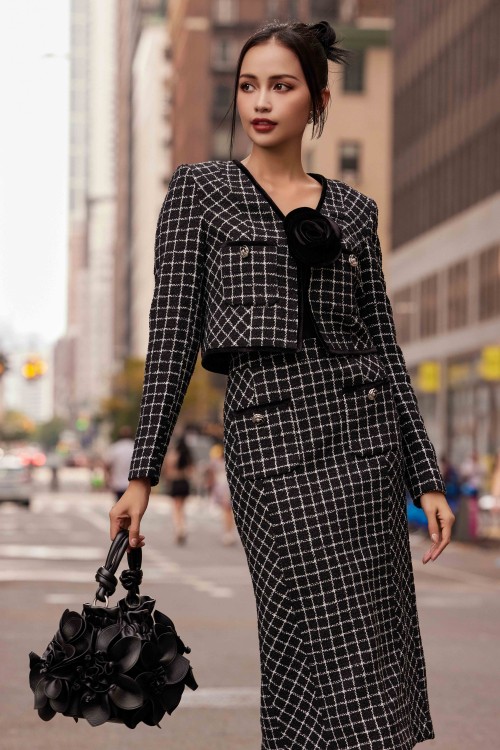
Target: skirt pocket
column 267, row 438
column 372, row 420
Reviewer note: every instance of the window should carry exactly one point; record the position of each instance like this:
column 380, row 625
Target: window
column 404, row 309
column 222, row 99
column 327, row 9
column 354, row 72
column 489, row 283
column 428, row 306
column 458, row 295
column 350, row 161
column 226, row 11
column 224, row 54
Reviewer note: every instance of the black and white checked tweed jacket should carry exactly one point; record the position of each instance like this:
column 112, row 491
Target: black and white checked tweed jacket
column 226, row 282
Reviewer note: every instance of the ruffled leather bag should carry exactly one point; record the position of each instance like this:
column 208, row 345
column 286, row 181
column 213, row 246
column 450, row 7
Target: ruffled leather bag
column 122, row 664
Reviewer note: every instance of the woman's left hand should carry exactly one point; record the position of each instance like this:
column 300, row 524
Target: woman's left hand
column 440, row 519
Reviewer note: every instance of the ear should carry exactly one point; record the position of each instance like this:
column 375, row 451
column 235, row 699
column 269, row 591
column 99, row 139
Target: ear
column 326, row 96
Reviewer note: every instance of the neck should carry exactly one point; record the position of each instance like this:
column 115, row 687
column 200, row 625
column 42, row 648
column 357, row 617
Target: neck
column 275, row 166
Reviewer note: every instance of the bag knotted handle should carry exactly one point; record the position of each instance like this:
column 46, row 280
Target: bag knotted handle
column 130, row 579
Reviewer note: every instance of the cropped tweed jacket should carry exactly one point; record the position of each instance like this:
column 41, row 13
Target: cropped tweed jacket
column 225, row 281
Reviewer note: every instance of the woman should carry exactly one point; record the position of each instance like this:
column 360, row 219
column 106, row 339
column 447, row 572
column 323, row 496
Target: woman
column 321, row 425
column 177, row 469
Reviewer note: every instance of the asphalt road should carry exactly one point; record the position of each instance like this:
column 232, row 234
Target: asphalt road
column 49, row 557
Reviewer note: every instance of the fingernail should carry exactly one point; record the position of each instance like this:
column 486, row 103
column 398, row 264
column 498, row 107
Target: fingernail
column 435, row 537
column 133, row 542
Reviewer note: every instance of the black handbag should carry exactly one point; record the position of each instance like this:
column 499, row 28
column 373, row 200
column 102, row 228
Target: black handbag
column 122, row 664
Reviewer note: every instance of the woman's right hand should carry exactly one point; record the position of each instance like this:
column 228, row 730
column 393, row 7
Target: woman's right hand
column 129, row 510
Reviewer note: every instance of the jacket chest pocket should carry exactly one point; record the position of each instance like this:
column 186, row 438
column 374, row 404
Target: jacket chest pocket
column 249, row 272
column 372, row 422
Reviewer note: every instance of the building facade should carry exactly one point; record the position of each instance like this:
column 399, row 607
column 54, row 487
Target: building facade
column 356, row 143
column 445, row 268
column 151, row 138
column 92, row 199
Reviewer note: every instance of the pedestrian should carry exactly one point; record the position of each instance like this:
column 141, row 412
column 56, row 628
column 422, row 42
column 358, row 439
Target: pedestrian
column 495, row 478
column 177, row 469
column 220, row 493
column 473, row 475
column 451, row 480
column 117, row 461
column 277, row 274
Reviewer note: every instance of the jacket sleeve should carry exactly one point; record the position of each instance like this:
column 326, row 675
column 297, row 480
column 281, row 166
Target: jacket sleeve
column 175, row 322
column 421, row 469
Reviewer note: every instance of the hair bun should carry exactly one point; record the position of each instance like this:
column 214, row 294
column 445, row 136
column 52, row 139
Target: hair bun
column 327, row 37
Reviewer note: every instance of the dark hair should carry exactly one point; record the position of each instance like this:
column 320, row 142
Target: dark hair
column 184, row 457
column 314, row 44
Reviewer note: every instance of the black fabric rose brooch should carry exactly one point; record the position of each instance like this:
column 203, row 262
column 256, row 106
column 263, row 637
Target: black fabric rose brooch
column 313, row 238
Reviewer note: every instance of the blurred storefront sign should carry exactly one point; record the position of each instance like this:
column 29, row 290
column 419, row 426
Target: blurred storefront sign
column 460, row 401
column 429, row 376
column 489, row 364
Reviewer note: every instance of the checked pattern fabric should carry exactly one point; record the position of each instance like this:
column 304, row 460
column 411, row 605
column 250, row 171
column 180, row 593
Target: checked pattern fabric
column 322, row 438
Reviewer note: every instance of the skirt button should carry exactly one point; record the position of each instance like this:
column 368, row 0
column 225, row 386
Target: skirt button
column 372, row 393
column 353, row 260
column 244, row 251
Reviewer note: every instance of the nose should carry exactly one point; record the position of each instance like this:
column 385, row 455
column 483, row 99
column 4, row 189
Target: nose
column 262, row 104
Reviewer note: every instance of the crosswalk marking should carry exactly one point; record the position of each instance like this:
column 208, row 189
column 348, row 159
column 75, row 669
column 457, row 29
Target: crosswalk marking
column 222, row 697
column 51, row 552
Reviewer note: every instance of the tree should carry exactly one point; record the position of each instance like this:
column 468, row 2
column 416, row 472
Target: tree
column 123, row 406
column 201, row 402
column 16, row 426
column 47, row 433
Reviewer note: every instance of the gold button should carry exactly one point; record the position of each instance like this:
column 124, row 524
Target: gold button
column 244, row 251
column 256, row 417
column 353, row 260
column 372, row 393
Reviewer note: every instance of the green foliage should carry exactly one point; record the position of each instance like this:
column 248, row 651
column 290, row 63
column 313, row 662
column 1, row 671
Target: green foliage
column 47, row 433
column 203, row 400
column 16, row 426
column 123, row 406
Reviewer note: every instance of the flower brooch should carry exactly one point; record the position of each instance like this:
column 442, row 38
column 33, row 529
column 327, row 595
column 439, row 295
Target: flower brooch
column 313, row 238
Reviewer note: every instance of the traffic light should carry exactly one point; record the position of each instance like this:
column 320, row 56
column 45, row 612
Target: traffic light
column 4, row 366
column 34, row 368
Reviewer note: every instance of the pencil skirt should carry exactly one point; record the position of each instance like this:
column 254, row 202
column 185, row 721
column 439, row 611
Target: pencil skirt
column 313, row 455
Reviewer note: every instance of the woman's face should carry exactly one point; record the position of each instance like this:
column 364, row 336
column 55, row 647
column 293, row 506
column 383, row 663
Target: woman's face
column 272, row 86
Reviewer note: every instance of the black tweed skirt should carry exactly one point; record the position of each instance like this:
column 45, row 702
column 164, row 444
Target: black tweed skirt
column 314, row 463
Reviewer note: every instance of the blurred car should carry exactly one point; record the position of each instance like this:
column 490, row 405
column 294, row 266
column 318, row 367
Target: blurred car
column 15, row 480
column 30, row 455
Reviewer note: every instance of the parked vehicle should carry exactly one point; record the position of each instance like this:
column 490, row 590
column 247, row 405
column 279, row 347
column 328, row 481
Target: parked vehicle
column 15, row 480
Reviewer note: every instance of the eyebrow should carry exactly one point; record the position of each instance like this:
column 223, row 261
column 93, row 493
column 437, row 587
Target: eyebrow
column 282, row 75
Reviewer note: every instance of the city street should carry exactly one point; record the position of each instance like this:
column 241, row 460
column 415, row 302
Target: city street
column 49, row 557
